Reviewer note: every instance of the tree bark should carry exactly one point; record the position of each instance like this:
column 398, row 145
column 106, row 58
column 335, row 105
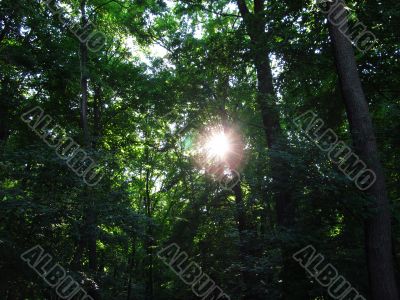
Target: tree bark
column 244, row 248
column 266, row 99
column 4, row 107
column 90, row 215
column 377, row 227
column 92, row 237
column 97, row 116
column 130, row 268
column 149, row 294
column 84, row 77
column 292, row 274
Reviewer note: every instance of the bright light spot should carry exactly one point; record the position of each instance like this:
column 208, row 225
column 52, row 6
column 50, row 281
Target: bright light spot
column 218, row 150
column 218, row 145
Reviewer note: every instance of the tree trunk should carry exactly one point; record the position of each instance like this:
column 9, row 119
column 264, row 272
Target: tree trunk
column 130, row 268
column 4, row 107
column 97, row 116
column 246, row 234
column 292, row 274
column 84, row 77
column 378, row 226
column 91, row 237
column 266, row 98
column 244, row 248
column 90, row 215
column 80, row 247
column 280, row 174
column 149, row 235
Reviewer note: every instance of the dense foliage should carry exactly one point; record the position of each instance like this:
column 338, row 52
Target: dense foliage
column 167, row 71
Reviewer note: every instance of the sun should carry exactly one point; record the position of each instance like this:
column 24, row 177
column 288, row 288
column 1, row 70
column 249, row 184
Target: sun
column 218, row 150
column 217, row 145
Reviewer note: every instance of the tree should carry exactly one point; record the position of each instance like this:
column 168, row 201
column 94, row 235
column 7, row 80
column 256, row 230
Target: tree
column 378, row 231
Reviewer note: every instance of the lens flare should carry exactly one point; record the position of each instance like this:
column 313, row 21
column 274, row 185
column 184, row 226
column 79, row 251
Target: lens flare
column 218, row 145
column 218, row 150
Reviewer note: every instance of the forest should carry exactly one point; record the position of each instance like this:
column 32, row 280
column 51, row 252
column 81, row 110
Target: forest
column 199, row 149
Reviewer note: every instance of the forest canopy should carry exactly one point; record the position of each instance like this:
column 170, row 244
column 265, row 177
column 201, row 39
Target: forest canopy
column 199, row 149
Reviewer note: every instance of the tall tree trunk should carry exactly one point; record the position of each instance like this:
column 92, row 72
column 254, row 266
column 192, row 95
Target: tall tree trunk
column 255, row 23
column 266, row 98
column 90, row 216
column 84, row 77
column 149, row 235
column 5, row 101
column 378, row 226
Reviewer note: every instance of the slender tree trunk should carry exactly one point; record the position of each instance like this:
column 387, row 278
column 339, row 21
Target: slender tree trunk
column 90, row 215
column 92, row 237
column 6, row 29
column 84, row 77
column 246, row 233
column 378, row 226
column 4, row 107
column 149, row 236
column 80, row 247
column 97, row 116
column 130, row 268
column 244, row 239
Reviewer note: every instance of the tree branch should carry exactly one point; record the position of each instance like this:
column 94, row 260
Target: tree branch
column 244, row 11
column 106, row 3
column 258, row 6
column 222, row 14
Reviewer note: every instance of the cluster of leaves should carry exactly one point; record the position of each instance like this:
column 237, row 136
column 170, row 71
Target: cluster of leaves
column 152, row 193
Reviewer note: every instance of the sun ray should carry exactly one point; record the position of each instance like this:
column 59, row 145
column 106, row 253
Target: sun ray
column 218, row 145
column 219, row 150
